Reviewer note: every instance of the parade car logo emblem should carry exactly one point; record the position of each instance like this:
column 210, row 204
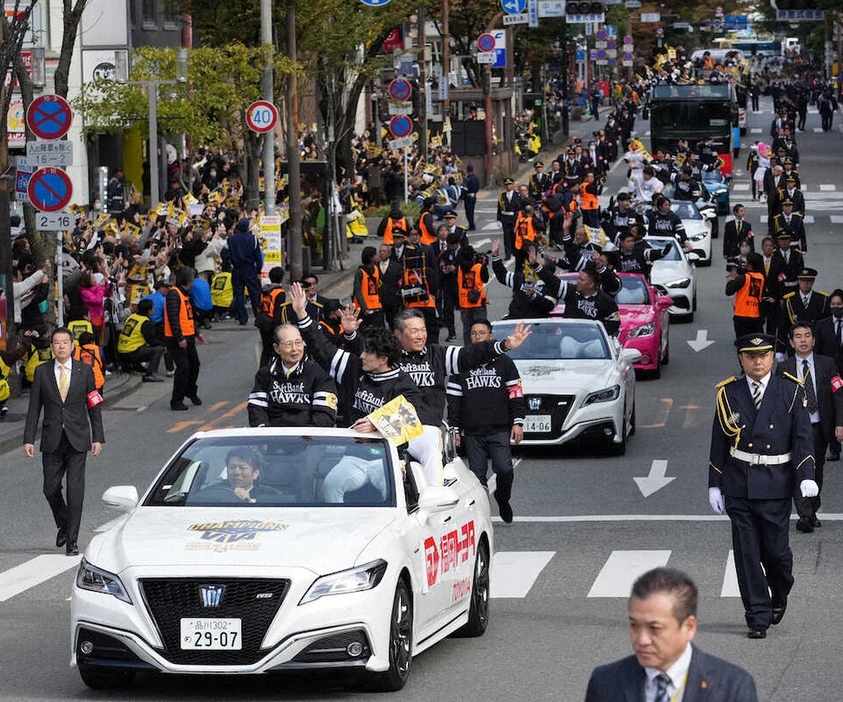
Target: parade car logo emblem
column 534, row 403
column 234, row 530
column 211, row 595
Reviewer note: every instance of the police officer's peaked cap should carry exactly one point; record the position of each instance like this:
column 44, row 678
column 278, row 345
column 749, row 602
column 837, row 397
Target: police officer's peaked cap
column 538, row 164
column 508, row 181
column 450, row 214
column 787, row 202
column 398, row 232
column 807, row 274
column 783, row 235
column 755, row 343
column 790, row 177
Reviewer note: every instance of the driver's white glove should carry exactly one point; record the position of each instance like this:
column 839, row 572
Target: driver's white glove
column 809, row 488
column 715, row 499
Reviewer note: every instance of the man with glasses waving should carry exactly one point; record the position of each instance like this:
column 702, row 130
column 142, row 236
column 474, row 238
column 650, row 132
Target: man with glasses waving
column 292, row 390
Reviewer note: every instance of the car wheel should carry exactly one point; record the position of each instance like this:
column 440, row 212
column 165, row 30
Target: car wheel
column 694, row 304
column 400, row 642
column 478, row 611
column 98, row 678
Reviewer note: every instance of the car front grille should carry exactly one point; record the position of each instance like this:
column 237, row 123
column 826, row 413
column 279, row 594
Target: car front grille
column 254, row 601
column 557, row 406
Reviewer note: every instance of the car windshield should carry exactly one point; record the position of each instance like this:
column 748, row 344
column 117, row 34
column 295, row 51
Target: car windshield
column 685, row 209
column 278, row 471
column 672, row 255
column 714, row 177
column 633, row 291
column 558, row 340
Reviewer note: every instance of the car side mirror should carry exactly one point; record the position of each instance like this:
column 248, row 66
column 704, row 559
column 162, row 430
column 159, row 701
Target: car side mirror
column 693, row 257
column 122, row 497
column 630, row 356
column 437, row 498
column 664, row 302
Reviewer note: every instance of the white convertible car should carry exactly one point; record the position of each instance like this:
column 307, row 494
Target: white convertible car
column 265, row 550
column 579, row 383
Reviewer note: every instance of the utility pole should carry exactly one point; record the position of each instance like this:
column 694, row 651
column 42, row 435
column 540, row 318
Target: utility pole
column 294, row 230
column 269, row 137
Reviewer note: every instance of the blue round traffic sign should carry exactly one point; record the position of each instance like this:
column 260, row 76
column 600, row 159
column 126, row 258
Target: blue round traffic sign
column 49, row 117
column 374, row 3
column 514, row 7
column 486, row 42
column 49, row 189
column 400, row 126
column 400, row 89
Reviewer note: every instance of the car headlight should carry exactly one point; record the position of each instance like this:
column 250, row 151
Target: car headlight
column 644, row 330
column 97, row 580
column 699, row 236
column 678, row 283
column 363, row 577
column 605, row 395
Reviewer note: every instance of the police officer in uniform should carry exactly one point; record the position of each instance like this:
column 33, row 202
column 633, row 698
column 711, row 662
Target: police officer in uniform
column 761, row 451
column 805, row 304
column 509, row 204
column 487, row 405
column 471, row 187
column 539, row 182
column 291, row 390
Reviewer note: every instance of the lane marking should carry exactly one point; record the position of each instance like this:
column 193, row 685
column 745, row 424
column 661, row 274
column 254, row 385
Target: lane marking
column 34, row 572
column 756, row 130
column 228, row 415
column 837, row 219
column 217, row 406
column 622, row 569
column 181, row 426
column 515, row 572
column 730, row 578
column 828, row 187
column 667, row 405
column 741, row 187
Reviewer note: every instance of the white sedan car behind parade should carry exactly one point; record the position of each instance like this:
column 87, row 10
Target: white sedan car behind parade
column 265, row 550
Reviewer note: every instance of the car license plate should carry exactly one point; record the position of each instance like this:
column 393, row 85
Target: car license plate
column 210, row 635
column 537, row 423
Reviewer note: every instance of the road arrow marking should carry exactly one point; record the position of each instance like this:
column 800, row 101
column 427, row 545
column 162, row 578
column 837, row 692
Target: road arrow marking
column 701, row 341
column 656, row 480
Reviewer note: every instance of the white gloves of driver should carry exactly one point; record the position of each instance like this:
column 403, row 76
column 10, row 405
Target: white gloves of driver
column 715, row 499
column 809, row 488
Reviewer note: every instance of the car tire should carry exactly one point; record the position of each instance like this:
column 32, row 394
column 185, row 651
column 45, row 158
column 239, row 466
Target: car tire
column 400, row 642
column 98, row 678
column 478, row 611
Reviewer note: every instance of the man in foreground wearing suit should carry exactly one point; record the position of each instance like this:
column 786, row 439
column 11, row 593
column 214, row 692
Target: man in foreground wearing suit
column 662, row 625
column 824, row 394
column 66, row 391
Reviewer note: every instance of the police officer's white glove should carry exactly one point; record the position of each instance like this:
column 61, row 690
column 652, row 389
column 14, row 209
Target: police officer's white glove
column 715, row 499
column 809, row 488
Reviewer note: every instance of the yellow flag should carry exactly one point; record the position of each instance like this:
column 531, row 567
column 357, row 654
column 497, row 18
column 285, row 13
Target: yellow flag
column 397, row 421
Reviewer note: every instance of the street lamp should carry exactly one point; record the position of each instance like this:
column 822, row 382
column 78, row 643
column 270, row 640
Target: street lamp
column 121, row 75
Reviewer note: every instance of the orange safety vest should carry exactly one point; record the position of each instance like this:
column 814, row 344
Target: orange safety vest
column 90, row 354
column 748, row 298
column 466, row 282
column 268, row 300
column 371, row 289
column 185, row 318
column 394, row 224
column 525, row 231
column 428, row 235
column 588, row 201
column 416, row 278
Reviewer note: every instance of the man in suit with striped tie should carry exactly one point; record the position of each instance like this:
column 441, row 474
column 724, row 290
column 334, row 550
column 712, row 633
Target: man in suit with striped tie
column 666, row 665
column 67, row 392
column 762, row 450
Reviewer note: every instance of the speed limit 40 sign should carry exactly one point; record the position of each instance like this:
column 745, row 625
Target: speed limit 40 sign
column 262, row 116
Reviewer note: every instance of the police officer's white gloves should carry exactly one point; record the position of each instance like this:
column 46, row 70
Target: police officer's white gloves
column 809, row 488
column 715, row 499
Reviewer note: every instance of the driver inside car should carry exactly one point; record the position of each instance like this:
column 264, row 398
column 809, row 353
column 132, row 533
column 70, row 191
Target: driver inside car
column 242, row 481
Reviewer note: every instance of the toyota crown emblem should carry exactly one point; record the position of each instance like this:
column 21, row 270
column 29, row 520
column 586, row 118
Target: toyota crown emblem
column 211, row 595
column 534, row 403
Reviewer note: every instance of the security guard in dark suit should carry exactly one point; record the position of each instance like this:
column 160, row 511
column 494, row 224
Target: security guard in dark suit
column 824, row 395
column 761, row 449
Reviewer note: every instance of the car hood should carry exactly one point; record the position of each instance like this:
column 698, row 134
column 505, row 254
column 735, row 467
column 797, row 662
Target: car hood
column 665, row 271
column 564, row 377
column 695, row 227
column 323, row 540
column 635, row 315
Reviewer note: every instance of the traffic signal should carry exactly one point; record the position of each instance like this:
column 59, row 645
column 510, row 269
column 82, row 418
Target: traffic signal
column 584, row 8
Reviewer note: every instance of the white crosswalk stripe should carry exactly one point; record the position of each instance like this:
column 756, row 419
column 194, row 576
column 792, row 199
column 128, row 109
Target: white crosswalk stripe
column 34, row 572
column 730, row 578
column 741, row 187
column 515, row 572
column 756, row 130
column 837, row 219
column 622, row 569
column 827, row 187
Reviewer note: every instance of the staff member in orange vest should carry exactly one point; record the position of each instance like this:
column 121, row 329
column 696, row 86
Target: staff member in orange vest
column 180, row 336
column 367, row 289
column 748, row 289
column 394, row 220
column 426, row 225
column 527, row 226
column 589, row 204
column 472, row 276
